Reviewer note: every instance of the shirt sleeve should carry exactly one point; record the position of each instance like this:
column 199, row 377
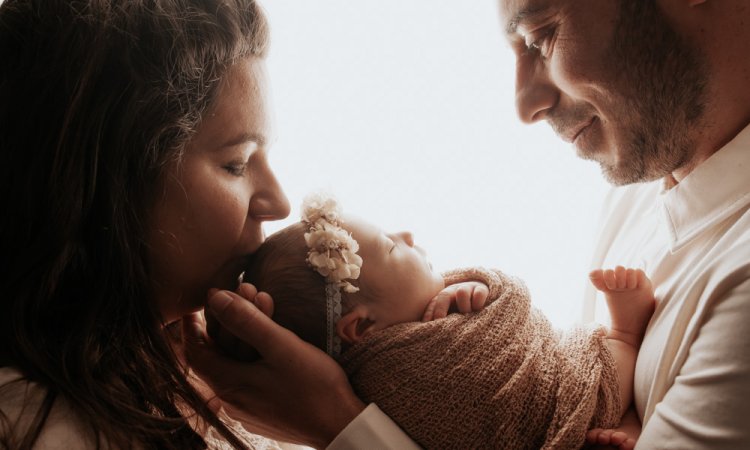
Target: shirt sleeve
column 707, row 407
column 372, row 429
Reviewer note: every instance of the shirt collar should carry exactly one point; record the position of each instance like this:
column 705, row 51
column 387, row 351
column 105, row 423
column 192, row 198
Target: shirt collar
column 713, row 191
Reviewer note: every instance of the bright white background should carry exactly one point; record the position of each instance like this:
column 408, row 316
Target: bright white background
column 405, row 111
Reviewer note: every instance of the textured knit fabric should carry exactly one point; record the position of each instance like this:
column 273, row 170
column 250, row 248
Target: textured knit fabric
column 500, row 378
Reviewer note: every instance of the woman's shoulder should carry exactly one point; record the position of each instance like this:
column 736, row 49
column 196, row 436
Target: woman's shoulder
column 21, row 400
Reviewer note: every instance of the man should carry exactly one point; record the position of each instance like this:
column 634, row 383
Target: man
column 658, row 93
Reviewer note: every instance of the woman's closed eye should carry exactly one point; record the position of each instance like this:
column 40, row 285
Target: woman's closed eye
column 236, row 168
column 239, row 157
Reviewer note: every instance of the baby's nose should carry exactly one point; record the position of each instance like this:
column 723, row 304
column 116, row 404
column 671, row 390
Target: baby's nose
column 407, row 237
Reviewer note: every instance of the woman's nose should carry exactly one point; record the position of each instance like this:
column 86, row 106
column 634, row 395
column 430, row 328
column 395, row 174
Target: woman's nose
column 268, row 202
column 536, row 95
column 407, row 237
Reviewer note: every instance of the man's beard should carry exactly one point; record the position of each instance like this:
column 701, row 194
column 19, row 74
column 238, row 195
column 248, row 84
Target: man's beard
column 661, row 79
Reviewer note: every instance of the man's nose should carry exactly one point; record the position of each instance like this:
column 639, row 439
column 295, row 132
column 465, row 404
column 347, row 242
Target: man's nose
column 536, row 95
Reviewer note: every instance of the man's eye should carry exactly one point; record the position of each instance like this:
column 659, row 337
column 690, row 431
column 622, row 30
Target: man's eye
column 539, row 42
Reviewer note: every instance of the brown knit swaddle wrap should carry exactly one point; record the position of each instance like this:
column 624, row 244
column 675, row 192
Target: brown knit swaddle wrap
column 500, row 378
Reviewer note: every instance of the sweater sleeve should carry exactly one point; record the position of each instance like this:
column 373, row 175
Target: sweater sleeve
column 372, row 429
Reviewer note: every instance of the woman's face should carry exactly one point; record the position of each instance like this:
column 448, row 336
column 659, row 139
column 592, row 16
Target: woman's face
column 209, row 213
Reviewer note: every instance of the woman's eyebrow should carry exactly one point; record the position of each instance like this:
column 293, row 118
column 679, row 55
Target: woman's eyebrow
column 258, row 138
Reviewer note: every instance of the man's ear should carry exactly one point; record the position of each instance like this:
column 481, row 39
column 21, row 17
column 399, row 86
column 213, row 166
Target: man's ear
column 354, row 325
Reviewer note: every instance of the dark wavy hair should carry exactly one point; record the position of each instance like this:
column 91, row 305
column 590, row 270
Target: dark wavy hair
column 279, row 267
column 97, row 99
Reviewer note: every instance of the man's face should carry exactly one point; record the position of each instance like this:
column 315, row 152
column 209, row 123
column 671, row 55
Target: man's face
column 610, row 76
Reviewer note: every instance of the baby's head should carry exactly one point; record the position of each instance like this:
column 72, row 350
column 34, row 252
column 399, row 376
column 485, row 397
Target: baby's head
column 393, row 283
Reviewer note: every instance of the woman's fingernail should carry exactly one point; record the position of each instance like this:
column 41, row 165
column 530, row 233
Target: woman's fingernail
column 219, row 301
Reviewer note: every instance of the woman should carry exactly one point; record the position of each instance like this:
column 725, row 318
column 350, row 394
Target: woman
column 135, row 176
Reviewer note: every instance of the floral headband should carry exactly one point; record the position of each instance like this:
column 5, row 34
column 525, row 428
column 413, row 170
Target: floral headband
column 333, row 254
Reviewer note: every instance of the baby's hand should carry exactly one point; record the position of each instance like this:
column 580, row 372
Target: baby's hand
column 466, row 297
column 615, row 438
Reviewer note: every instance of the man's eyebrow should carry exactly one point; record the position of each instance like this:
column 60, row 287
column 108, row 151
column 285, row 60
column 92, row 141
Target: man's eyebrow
column 258, row 138
column 523, row 15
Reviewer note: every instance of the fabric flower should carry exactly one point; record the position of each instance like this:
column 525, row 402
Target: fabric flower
column 319, row 206
column 333, row 251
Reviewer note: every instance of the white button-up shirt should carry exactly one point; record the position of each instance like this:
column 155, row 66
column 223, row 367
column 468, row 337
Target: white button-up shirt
column 692, row 378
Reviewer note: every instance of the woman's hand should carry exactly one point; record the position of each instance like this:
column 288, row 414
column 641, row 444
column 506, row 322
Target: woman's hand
column 294, row 392
column 465, row 297
column 229, row 344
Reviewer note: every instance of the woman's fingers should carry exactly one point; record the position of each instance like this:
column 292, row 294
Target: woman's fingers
column 250, row 324
column 246, row 290
column 264, row 302
column 295, row 392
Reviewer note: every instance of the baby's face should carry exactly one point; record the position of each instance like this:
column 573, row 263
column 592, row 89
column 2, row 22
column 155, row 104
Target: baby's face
column 395, row 274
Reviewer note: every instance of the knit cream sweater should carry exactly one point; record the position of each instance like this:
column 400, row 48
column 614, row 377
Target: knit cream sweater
column 500, row 378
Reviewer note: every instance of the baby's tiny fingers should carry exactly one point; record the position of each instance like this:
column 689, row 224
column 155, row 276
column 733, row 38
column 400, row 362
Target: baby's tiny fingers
column 442, row 303
column 618, row 437
column 592, row 436
column 620, row 274
column 429, row 311
column 605, row 437
column 632, row 279
column 609, row 279
column 463, row 299
column 479, row 297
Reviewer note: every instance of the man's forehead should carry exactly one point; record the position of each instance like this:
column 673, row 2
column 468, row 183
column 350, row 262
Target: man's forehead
column 515, row 12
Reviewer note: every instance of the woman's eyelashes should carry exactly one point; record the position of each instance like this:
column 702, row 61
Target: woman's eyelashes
column 241, row 157
column 236, row 168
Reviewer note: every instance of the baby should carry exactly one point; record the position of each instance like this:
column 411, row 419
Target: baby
column 498, row 376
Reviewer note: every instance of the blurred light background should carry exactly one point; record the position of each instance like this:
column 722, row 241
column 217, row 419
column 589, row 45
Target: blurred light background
column 405, row 111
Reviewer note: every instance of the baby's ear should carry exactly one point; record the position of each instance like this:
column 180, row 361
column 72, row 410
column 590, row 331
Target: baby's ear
column 354, row 325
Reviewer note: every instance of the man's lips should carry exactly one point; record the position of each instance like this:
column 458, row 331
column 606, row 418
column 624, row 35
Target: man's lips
column 572, row 136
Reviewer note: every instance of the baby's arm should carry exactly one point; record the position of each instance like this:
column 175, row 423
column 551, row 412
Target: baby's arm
column 630, row 298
